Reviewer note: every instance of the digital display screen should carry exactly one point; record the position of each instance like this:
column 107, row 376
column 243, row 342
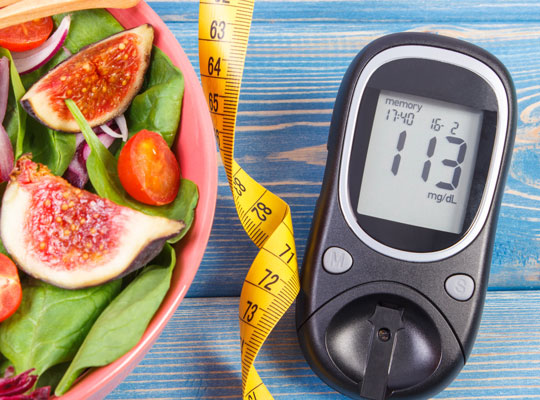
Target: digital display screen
column 420, row 162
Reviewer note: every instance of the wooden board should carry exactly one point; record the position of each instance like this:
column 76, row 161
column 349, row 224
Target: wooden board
column 198, row 357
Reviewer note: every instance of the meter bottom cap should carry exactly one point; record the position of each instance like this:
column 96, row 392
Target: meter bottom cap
column 382, row 340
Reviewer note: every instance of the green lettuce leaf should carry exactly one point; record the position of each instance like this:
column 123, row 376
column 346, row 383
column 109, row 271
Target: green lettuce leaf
column 51, row 323
column 122, row 324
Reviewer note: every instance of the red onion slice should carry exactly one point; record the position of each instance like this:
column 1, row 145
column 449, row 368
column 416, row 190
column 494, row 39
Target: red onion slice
column 16, row 387
column 111, row 132
column 107, row 141
column 12, row 385
column 79, row 138
column 6, row 155
column 4, row 86
column 6, row 150
column 76, row 173
column 104, row 138
column 28, row 61
column 122, row 125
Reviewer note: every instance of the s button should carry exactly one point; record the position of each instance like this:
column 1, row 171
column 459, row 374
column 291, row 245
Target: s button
column 460, row 287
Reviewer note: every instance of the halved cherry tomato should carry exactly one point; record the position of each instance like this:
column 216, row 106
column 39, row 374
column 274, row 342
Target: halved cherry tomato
column 26, row 36
column 148, row 169
column 10, row 288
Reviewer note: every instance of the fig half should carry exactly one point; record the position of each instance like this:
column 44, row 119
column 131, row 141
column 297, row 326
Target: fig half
column 101, row 79
column 72, row 238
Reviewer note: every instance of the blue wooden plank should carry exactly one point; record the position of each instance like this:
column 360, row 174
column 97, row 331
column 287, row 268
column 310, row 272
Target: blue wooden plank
column 368, row 11
column 197, row 356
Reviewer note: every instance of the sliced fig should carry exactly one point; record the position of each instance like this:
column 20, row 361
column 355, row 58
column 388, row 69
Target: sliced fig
column 72, row 238
column 101, row 79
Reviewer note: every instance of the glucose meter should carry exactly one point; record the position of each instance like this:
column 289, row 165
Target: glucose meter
column 396, row 267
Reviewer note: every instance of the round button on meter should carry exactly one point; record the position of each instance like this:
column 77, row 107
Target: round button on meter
column 460, row 287
column 336, row 260
column 418, row 151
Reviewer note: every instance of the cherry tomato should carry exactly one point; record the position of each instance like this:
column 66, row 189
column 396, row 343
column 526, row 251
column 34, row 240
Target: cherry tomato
column 27, row 35
column 10, row 288
column 148, row 169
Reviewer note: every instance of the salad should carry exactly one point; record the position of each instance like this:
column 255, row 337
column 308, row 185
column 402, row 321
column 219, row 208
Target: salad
column 57, row 332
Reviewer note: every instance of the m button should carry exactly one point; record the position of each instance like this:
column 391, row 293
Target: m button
column 336, row 260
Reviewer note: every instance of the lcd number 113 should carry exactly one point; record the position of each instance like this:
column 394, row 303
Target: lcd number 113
column 454, row 163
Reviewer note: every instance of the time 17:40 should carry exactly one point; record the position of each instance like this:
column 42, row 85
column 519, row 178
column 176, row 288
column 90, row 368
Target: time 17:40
column 395, row 115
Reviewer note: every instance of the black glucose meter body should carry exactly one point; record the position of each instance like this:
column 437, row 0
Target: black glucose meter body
column 396, row 267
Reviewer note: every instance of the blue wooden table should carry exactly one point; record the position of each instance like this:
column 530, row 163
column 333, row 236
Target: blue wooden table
column 297, row 55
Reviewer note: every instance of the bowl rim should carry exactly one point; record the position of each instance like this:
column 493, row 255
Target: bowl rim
column 196, row 131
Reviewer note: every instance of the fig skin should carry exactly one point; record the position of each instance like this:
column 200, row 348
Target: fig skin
column 40, row 104
column 119, row 239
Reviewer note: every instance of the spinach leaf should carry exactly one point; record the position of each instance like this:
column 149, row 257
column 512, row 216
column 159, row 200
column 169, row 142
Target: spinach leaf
column 158, row 107
column 15, row 119
column 183, row 207
column 51, row 323
column 87, row 27
column 52, row 376
column 102, row 171
column 49, row 147
column 122, row 324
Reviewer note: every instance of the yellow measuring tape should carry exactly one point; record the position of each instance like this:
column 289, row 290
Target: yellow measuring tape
column 271, row 284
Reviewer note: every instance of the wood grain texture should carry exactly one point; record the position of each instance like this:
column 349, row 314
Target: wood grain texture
column 297, row 55
column 197, row 356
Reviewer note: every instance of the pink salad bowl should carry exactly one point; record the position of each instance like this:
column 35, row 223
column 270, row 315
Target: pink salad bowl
column 196, row 152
